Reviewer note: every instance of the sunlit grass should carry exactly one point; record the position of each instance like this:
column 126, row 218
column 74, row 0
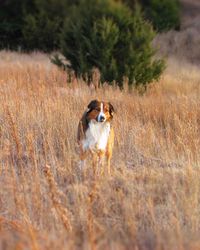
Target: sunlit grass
column 151, row 201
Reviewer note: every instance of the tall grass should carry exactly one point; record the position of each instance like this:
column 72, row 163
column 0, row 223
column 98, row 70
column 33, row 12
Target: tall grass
column 151, row 200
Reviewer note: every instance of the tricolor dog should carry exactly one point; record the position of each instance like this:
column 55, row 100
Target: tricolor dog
column 95, row 133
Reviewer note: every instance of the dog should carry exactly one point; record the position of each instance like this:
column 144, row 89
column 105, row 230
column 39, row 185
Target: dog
column 95, row 133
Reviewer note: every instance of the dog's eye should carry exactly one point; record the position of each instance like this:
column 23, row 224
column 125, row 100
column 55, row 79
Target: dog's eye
column 97, row 109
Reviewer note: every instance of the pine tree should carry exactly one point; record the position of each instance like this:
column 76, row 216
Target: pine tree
column 163, row 14
column 105, row 35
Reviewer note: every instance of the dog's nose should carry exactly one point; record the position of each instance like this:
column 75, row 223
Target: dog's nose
column 101, row 118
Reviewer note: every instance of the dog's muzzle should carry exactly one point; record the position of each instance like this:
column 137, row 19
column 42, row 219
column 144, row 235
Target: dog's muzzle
column 101, row 118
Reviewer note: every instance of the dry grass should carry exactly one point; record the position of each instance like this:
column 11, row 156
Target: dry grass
column 183, row 44
column 152, row 199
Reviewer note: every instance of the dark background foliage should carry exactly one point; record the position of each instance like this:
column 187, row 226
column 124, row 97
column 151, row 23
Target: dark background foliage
column 36, row 24
column 111, row 35
column 163, row 14
column 12, row 13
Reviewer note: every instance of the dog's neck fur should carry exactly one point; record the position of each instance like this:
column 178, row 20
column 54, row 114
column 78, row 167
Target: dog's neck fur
column 96, row 135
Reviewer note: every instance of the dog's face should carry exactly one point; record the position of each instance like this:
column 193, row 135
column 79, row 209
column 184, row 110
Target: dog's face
column 100, row 111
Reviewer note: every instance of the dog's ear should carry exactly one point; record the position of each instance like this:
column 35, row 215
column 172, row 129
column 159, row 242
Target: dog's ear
column 92, row 105
column 111, row 109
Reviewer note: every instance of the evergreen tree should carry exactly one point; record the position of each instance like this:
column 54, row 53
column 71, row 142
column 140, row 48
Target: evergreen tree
column 42, row 28
column 104, row 34
column 163, row 14
column 11, row 22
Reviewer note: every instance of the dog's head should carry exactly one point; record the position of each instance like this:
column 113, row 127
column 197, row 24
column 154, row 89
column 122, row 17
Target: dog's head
column 100, row 111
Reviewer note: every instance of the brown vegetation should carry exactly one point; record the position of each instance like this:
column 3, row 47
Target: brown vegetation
column 183, row 44
column 151, row 201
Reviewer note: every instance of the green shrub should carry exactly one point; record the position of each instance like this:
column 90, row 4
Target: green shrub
column 163, row 14
column 36, row 24
column 42, row 27
column 32, row 24
column 40, row 32
column 104, row 34
column 11, row 22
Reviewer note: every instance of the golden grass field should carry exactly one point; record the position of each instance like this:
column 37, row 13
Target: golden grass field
column 152, row 198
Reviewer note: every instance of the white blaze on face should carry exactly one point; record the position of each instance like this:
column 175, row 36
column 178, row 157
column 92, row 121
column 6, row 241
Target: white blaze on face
column 97, row 134
column 101, row 114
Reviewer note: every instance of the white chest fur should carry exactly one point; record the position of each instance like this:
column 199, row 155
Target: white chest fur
column 96, row 136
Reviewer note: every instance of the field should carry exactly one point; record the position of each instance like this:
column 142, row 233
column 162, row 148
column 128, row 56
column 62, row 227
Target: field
column 152, row 198
column 183, row 44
